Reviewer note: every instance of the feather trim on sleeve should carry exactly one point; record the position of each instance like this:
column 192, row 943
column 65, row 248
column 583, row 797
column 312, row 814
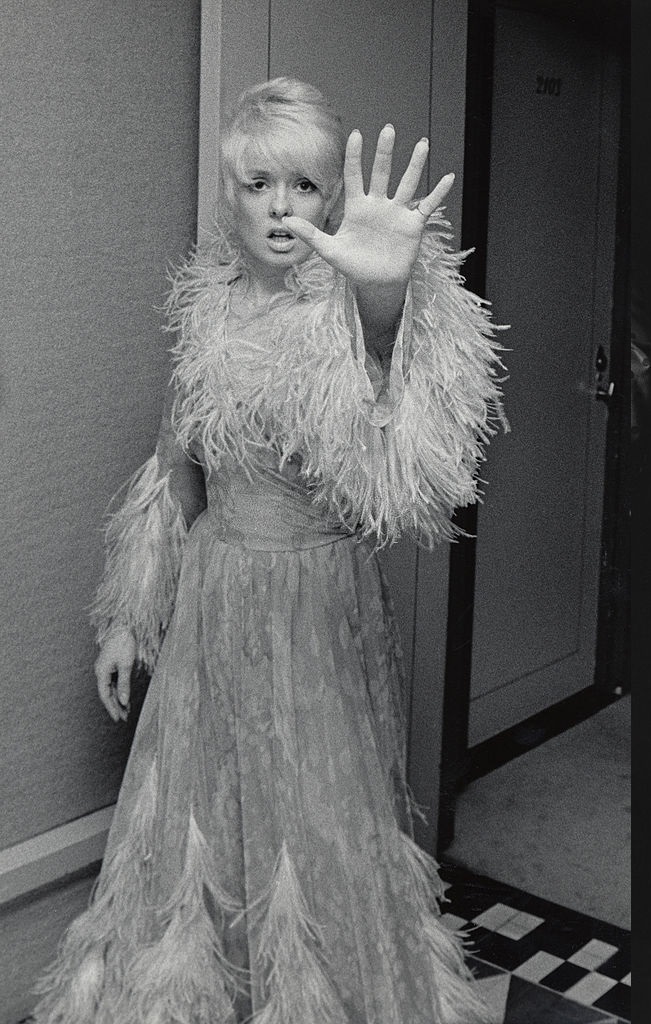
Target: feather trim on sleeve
column 402, row 460
column 144, row 545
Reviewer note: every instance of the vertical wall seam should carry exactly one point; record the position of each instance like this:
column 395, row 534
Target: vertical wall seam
column 269, row 41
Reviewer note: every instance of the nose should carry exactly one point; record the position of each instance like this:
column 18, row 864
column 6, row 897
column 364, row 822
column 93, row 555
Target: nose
column 279, row 202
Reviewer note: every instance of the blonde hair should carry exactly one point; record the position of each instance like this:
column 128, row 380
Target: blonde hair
column 289, row 123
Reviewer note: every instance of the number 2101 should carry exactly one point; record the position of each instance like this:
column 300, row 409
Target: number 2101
column 548, row 86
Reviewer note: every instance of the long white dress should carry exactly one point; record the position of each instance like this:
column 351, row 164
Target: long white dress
column 260, row 860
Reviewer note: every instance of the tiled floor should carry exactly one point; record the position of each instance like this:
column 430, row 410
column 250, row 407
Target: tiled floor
column 550, row 965
column 538, row 962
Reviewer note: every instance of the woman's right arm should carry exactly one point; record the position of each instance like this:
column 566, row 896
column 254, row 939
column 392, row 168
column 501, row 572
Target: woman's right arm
column 145, row 539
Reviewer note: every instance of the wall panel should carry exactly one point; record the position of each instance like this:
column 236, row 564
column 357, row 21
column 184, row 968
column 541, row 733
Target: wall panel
column 99, row 106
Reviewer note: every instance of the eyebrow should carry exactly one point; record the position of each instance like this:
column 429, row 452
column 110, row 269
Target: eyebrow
column 261, row 172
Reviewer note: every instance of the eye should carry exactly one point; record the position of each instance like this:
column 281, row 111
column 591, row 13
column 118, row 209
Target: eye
column 257, row 185
column 305, row 185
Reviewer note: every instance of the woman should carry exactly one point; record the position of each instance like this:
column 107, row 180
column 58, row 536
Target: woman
column 332, row 390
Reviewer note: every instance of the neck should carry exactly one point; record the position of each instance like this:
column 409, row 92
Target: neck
column 254, row 294
column 263, row 289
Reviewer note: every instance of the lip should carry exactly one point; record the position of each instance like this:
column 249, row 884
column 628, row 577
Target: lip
column 282, row 242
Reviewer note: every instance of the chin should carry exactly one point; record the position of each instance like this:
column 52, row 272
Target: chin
column 289, row 259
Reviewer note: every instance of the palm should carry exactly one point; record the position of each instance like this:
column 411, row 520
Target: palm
column 378, row 240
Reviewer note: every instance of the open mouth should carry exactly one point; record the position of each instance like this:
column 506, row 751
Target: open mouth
column 280, row 240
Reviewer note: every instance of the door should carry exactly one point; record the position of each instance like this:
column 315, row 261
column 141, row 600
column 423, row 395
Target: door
column 549, row 271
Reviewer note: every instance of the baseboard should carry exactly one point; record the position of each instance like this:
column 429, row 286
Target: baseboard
column 485, row 757
column 61, row 851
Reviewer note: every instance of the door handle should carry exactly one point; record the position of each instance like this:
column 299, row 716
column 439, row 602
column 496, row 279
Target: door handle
column 603, row 388
column 603, row 391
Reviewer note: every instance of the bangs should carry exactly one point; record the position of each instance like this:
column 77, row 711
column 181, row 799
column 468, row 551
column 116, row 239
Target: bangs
column 303, row 153
column 303, row 149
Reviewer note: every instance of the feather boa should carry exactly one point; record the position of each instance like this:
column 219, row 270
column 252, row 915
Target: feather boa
column 388, row 456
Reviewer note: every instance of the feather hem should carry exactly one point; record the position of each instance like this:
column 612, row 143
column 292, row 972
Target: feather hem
column 95, row 949
column 296, row 988
column 109, row 969
column 184, row 976
column 453, row 986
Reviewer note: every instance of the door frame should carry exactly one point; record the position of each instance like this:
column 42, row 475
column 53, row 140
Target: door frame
column 459, row 762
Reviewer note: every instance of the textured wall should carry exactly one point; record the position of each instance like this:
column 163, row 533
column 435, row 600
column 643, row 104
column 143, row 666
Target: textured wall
column 99, row 106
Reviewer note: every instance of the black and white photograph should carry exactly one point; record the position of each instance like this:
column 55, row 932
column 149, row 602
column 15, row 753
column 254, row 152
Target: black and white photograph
column 325, row 423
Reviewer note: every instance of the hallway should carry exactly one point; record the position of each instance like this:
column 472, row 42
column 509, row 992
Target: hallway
column 540, row 873
column 556, row 821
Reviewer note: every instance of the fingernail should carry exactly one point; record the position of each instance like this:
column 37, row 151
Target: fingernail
column 389, row 126
column 425, row 140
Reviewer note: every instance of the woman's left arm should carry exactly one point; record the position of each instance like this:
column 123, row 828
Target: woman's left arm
column 379, row 238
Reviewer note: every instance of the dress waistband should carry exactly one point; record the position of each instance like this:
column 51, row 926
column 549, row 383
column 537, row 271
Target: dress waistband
column 269, row 514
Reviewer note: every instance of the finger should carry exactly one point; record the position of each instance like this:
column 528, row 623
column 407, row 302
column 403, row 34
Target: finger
column 406, row 190
column 353, row 181
column 108, row 673
column 382, row 163
column 123, row 689
column 430, row 203
column 105, row 690
column 308, row 233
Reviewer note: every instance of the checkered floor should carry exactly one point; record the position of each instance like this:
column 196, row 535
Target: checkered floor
column 557, row 966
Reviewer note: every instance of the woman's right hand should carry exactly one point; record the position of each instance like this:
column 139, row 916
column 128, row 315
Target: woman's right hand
column 113, row 670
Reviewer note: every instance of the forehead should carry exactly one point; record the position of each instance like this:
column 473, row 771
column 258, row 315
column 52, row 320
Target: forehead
column 256, row 164
column 281, row 150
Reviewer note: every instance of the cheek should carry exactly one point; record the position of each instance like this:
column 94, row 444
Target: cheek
column 245, row 208
column 316, row 211
column 247, row 219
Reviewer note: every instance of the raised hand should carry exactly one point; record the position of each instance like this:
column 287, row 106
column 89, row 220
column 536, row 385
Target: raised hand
column 378, row 240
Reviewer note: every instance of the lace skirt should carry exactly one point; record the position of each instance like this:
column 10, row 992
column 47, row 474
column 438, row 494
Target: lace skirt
column 260, row 862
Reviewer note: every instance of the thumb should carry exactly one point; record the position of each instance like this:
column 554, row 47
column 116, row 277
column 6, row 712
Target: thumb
column 124, row 684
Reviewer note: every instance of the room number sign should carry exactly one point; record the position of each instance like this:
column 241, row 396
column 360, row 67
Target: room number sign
column 548, row 86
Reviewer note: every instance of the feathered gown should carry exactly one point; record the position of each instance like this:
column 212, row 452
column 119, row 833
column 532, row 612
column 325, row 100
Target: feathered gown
column 260, row 862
